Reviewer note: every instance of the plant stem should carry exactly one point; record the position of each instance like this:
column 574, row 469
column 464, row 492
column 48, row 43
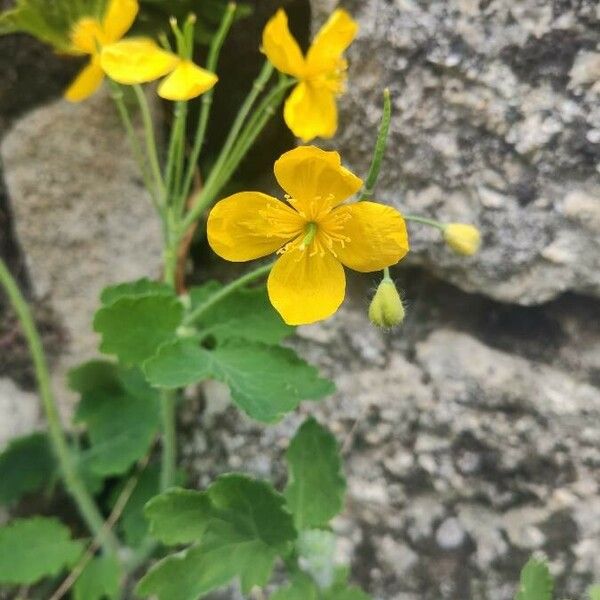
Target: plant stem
column 425, row 221
column 85, row 503
column 380, row 145
column 204, row 197
column 169, row 450
column 150, row 143
column 175, row 152
column 211, row 65
column 117, row 95
column 226, row 291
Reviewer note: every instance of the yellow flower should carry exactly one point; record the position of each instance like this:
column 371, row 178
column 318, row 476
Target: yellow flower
column 311, row 109
column 386, row 308
column 89, row 35
column 139, row 60
column 314, row 233
column 462, row 238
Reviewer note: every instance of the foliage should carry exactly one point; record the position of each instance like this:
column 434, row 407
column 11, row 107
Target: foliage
column 536, row 582
column 34, row 548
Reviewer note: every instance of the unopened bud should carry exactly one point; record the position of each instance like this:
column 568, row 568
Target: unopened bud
column 462, row 238
column 386, row 308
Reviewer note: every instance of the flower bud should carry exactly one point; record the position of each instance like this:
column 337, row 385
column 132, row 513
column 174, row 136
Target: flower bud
column 386, row 308
column 462, row 238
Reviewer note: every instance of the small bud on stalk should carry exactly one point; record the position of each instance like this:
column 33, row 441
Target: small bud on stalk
column 386, row 308
column 462, row 238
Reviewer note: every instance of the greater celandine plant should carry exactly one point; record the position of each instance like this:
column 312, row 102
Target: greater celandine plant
column 119, row 465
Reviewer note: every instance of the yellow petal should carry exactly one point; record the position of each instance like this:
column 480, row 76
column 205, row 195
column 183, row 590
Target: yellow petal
column 186, row 81
column 280, row 46
column 136, row 60
column 119, row 18
column 305, row 287
column 86, row 83
column 310, row 112
column 315, row 180
column 331, row 40
column 373, row 236
column 249, row 225
column 87, row 36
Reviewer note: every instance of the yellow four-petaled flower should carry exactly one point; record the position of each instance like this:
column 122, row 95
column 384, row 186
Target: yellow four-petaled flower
column 130, row 61
column 311, row 109
column 315, row 234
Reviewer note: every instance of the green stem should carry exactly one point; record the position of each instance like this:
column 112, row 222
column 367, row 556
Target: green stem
column 425, row 221
column 117, row 95
column 211, row 64
column 380, row 145
column 386, row 273
column 175, row 152
column 226, row 291
column 85, row 503
column 169, row 451
column 150, row 143
column 204, row 197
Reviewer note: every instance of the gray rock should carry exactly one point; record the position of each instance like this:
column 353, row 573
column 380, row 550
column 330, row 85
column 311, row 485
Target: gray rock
column 20, row 411
column 81, row 214
column 450, row 535
column 495, row 123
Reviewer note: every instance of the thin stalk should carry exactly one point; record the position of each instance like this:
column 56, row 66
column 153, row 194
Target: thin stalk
column 255, row 126
column 150, row 142
column 117, row 95
column 175, row 152
column 211, row 64
column 169, row 439
column 199, row 202
column 85, row 503
column 425, row 221
column 226, row 291
column 380, row 145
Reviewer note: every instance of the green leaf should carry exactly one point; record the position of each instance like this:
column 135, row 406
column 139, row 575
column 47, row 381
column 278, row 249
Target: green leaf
column 536, row 582
column 265, row 381
column 316, row 486
column 99, row 580
column 345, row 592
column 31, row 549
column 179, row 516
column 135, row 289
column 122, row 413
column 26, row 465
column 246, row 314
column 302, row 587
column 134, row 327
column 240, row 526
column 594, row 592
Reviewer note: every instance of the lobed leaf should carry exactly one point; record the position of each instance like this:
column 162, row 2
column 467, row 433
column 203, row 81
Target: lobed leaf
column 133, row 327
column 316, row 486
column 31, row 549
column 239, row 527
column 265, row 381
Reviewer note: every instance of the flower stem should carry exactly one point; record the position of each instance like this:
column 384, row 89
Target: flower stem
column 380, row 146
column 211, row 64
column 117, row 96
column 85, row 503
column 169, row 451
column 226, row 291
column 214, row 181
column 424, row 221
column 176, row 151
column 150, row 143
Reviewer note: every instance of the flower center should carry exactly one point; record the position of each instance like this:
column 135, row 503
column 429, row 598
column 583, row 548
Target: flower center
column 311, row 231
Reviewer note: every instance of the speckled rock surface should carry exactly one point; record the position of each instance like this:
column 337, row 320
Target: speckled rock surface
column 496, row 122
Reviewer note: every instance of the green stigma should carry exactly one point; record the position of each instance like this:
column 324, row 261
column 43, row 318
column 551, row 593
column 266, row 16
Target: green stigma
column 311, row 231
